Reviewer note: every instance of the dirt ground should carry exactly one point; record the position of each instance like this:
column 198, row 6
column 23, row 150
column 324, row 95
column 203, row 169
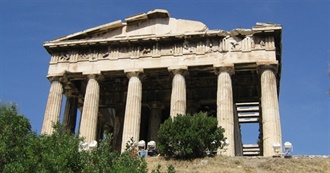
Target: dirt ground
column 222, row 164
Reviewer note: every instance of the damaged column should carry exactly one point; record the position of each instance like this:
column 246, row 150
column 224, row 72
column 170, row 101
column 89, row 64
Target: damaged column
column 132, row 119
column 271, row 125
column 225, row 110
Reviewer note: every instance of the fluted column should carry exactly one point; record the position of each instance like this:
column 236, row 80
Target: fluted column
column 53, row 108
column 88, row 126
column 132, row 119
column 154, row 120
column 178, row 96
column 225, row 110
column 70, row 113
column 271, row 125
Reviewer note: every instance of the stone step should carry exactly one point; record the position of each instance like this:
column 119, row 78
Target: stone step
column 251, row 150
column 248, row 114
column 248, row 120
column 251, row 153
column 247, row 103
column 250, row 146
column 248, row 108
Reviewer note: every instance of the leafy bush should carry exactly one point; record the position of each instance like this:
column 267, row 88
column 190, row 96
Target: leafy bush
column 187, row 137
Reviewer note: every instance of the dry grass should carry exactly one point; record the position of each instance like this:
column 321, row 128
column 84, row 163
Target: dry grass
column 221, row 164
column 297, row 164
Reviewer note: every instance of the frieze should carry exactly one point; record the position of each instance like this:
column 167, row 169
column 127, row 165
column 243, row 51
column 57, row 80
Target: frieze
column 247, row 43
column 83, row 55
column 145, row 51
column 187, row 47
column 214, row 45
column 155, row 50
column 167, row 49
column 74, row 56
column 200, row 47
column 267, row 43
column 158, row 49
column 231, row 44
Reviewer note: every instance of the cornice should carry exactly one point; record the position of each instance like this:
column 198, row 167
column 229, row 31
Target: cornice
column 124, row 39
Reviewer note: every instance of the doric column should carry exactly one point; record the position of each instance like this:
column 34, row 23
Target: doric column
column 88, row 126
column 271, row 125
column 178, row 96
column 225, row 110
column 154, row 120
column 70, row 112
column 132, row 117
column 53, row 108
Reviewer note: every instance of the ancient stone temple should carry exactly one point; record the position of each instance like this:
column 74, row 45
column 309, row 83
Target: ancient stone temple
column 128, row 77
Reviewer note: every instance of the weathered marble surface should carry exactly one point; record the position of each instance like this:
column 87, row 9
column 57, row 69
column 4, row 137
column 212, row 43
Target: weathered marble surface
column 170, row 62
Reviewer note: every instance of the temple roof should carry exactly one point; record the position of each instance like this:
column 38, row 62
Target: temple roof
column 153, row 25
column 156, row 22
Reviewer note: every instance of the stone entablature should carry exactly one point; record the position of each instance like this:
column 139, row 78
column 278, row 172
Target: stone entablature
column 205, row 51
column 118, row 46
column 159, row 48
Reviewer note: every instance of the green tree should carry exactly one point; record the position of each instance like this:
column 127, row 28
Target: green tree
column 16, row 138
column 54, row 153
column 189, row 136
column 59, row 152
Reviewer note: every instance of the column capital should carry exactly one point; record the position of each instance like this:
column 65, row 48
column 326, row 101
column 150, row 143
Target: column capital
column 55, row 78
column 97, row 77
column 229, row 68
column 262, row 66
column 133, row 72
column 178, row 70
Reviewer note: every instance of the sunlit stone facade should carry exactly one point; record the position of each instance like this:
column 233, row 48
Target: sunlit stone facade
column 128, row 77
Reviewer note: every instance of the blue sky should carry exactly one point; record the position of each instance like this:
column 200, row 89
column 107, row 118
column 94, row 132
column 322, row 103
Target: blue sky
column 304, row 99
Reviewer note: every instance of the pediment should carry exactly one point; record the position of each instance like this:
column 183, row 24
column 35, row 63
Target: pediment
column 154, row 23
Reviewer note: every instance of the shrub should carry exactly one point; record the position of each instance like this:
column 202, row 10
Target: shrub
column 187, row 137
